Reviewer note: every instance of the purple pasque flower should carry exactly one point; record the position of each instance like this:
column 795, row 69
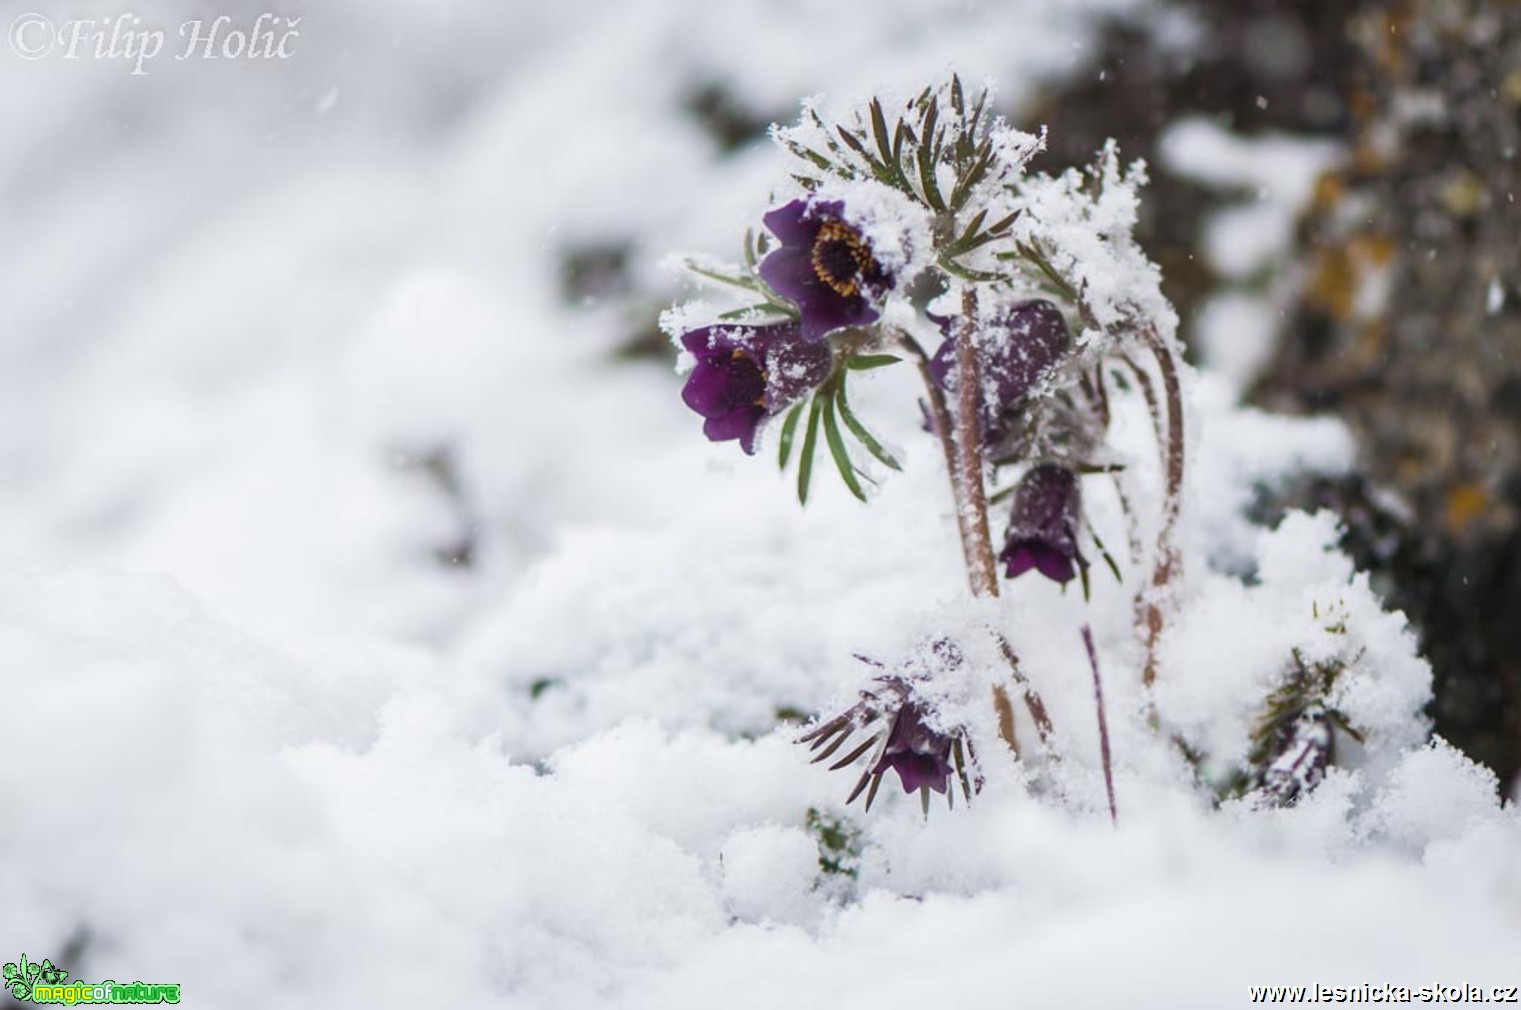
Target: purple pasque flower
column 1019, row 345
column 824, row 266
column 898, row 721
column 920, row 755
column 1043, row 528
column 747, row 373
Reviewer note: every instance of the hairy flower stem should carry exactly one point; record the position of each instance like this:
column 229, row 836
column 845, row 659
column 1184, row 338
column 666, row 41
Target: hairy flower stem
column 1167, row 566
column 973, row 505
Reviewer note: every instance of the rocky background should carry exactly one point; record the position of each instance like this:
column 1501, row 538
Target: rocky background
column 1400, row 303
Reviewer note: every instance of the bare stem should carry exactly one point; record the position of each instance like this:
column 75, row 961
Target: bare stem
column 1167, row 566
column 1149, row 393
column 1005, row 712
column 1033, row 701
column 1103, row 724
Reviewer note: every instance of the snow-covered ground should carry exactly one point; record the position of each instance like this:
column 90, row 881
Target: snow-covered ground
column 371, row 635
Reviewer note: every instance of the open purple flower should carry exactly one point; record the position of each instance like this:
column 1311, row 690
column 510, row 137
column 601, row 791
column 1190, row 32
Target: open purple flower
column 745, row 374
column 1043, row 529
column 1020, row 345
column 899, row 724
column 825, row 266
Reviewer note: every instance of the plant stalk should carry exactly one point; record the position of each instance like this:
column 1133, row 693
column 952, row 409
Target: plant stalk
column 940, row 417
column 982, row 570
column 1103, row 724
column 964, row 465
column 1168, row 565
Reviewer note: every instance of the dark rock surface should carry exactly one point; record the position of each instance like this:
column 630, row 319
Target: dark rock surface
column 1405, row 316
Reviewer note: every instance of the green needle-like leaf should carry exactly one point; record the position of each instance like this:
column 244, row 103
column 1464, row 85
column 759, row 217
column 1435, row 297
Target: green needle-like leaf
column 853, row 141
column 748, row 283
column 761, row 308
column 972, row 173
column 837, row 449
column 879, row 130
column 883, row 171
column 1000, row 226
column 966, row 273
column 926, row 158
column 1104, row 553
column 863, row 362
column 789, row 429
column 982, row 100
column 970, row 237
column 810, row 155
column 862, row 435
column 810, row 444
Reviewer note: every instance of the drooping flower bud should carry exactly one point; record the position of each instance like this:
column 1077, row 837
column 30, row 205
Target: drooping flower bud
column 903, row 734
column 1043, row 527
column 1019, row 346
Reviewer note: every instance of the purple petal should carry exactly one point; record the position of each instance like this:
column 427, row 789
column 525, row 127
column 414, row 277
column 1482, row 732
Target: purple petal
column 1045, row 496
column 1033, row 337
column 1019, row 347
column 741, row 424
column 789, row 271
column 706, row 389
column 725, row 382
column 824, row 311
column 699, row 342
column 1042, row 528
column 1053, row 564
column 793, row 368
column 1018, row 558
column 792, row 272
column 916, row 771
column 943, row 363
column 790, row 223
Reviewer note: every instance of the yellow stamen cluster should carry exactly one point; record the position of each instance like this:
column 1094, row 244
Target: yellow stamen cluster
column 833, row 239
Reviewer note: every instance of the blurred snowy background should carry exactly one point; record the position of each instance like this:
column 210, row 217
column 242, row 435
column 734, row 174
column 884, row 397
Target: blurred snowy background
column 377, row 627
